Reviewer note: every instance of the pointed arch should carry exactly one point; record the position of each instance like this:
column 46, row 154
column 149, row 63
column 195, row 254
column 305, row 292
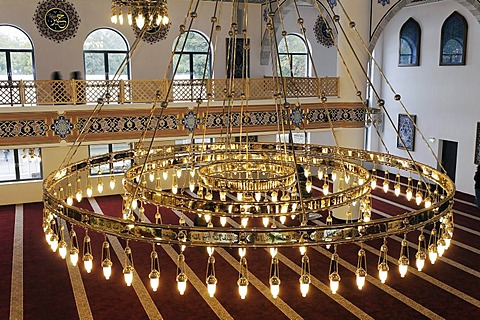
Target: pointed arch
column 453, row 43
column 409, row 49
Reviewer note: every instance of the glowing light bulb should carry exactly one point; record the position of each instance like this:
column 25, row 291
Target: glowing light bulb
column 265, row 221
column 385, row 186
column 441, row 247
column 308, row 186
column 134, row 204
column 242, row 252
column 62, row 249
column 74, row 256
column 179, row 172
column 306, row 172
column 383, row 272
column 54, row 242
column 303, row 250
column 403, row 266
column 334, row 282
column 165, row 174
column 120, row 18
column 418, row 198
column 88, row 262
column 420, row 260
column 154, row 276
column 304, row 285
column 334, row 176
column 107, row 268
column 409, row 193
column 240, row 196
column 361, row 275
column 373, row 183
column 174, row 187
column 128, row 275
column 70, row 200
column 79, row 195
column 283, row 219
column 242, row 287
column 223, row 221
column 181, row 283
column 320, row 174
column 432, row 253
column 210, row 250
column 89, row 191
column 275, row 290
column 258, row 196
column 151, row 176
column 274, row 196
column 428, row 202
column 100, row 186
column 244, row 222
column 165, row 20
column 397, row 189
column 325, row 189
column 112, row 183
column 191, row 185
column 211, row 285
column 140, row 21
column 273, row 252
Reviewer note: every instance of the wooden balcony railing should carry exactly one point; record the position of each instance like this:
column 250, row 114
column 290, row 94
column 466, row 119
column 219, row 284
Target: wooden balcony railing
column 52, row 92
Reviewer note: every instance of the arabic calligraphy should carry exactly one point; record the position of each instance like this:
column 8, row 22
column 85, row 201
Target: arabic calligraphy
column 56, row 19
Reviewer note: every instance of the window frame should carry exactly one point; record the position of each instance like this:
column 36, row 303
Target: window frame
column 444, row 41
column 111, row 170
column 290, row 55
column 106, row 54
column 416, row 42
column 17, row 158
column 191, row 55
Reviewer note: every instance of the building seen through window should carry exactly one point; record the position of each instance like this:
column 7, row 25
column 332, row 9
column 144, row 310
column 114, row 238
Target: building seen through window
column 20, row 164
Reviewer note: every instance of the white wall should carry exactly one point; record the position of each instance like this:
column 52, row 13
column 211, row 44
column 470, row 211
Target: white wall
column 444, row 98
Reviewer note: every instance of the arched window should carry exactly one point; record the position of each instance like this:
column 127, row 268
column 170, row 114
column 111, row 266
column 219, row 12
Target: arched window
column 104, row 50
column 293, row 56
column 16, row 54
column 192, row 54
column 454, row 40
column 409, row 53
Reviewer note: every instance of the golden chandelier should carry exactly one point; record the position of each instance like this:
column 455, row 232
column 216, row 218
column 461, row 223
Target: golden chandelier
column 250, row 194
column 153, row 13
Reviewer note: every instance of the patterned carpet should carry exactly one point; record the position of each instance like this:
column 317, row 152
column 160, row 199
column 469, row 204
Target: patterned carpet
column 37, row 284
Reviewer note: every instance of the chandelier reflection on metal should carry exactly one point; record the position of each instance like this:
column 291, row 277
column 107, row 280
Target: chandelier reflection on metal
column 139, row 12
column 250, row 194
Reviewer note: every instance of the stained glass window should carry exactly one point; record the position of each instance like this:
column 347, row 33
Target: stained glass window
column 454, row 40
column 409, row 53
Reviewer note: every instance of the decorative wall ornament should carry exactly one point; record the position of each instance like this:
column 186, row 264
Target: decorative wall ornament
column 406, row 130
column 62, row 127
column 154, row 34
column 297, row 116
column 190, row 121
column 323, row 33
column 56, row 20
column 477, row 145
column 384, row 2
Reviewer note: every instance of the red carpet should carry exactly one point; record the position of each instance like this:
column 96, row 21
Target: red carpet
column 449, row 290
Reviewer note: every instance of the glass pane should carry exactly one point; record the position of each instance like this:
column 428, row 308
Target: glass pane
column 3, row 66
column 115, row 60
column 105, row 39
column 195, row 43
column 299, row 65
column 94, row 66
column 292, row 43
column 7, row 165
column 22, row 65
column 13, row 38
column 119, row 166
column 284, row 65
column 199, row 61
column 96, row 150
column 29, row 163
column 183, row 71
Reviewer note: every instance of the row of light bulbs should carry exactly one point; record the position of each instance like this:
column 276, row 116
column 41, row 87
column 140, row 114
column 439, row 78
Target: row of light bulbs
column 154, row 15
column 439, row 242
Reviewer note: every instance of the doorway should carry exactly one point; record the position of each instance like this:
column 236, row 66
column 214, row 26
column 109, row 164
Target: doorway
column 449, row 157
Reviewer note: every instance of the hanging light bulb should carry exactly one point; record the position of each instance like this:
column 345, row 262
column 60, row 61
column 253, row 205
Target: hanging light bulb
column 106, row 260
column 154, row 274
column 242, row 252
column 128, row 266
column 421, row 256
column 165, row 174
column 325, row 188
column 129, row 16
column 273, row 251
column 441, row 245
column 89, row 187
column 383, row 262
column 62, row 245
column 223, row 221
column 274, row 196
column 303, row 250
column 211, row 280
column 140, row 20
column 386, row 184
column 54, row 237
column 87, row 253
column 112, row 182
column 181, row 276
column 265, row 221
column 244, row 222
column 308, row 185
column 223, row 196
column 99, row 183
column 334, row 176
column 428, row 202
column 258, row 196
column 283, row 219
column 79, row 194
column 73, row 248
column 120, row 16
column 114, row 18
column 274, row 280
column 306, row 172
column 403, row 261
column 334, row 277
column 418, row 194
column 320, row 174
column 179, row 172
column 174, row 185
column 305, row 279
column 432, row 246
column 151, row 176
column 397, row 189
column 70, row 194
column 239, row 196
column 361, row 272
